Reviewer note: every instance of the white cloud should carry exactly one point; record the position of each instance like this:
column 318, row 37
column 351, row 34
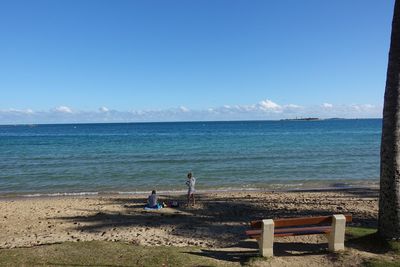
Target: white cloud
column 63, row 109
column 293, row 106
column 263, row 110
column 19, row 111
column 184, row 109
column 327, row 105
column 103, row 109
column 268, row 105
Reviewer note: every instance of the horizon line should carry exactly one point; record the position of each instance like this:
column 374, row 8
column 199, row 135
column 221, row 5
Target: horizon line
column 314, row 119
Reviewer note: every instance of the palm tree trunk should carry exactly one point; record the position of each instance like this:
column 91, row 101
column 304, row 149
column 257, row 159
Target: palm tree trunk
column 389, row 198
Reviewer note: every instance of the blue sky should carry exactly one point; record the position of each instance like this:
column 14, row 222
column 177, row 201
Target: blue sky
column 71, row 61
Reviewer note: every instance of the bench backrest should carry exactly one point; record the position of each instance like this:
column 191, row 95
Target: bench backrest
column 300, row 221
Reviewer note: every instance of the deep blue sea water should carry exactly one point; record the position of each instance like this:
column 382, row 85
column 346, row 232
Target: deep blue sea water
column 134, row 157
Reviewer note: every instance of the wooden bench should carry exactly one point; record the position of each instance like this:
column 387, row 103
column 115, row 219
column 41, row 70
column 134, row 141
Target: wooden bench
column 332, row 226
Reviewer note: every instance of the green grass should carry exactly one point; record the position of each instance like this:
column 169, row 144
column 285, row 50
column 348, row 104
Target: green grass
column 367, row 239
column 382, row 263
column 357, row 232
column 103, row 253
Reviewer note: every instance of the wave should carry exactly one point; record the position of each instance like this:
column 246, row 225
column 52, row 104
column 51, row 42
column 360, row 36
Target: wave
column 61, row 194
column 271, row 187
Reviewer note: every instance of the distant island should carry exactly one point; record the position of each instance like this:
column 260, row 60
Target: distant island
column 312, row 119
column 302, row 119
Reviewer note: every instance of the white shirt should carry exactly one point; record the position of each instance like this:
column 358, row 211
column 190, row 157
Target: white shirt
column 190, row 183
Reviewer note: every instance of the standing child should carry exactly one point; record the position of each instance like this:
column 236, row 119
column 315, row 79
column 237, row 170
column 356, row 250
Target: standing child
column 191, row 181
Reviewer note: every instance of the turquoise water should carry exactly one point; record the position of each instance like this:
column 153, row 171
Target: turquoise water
column 133, row 157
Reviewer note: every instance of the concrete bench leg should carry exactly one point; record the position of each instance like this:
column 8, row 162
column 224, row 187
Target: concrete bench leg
column 336, row 237
column 266, row 242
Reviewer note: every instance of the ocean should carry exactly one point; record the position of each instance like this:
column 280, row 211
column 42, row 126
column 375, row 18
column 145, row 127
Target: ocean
column 64, row 159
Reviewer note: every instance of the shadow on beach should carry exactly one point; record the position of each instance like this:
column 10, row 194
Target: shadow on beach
column 223, row 219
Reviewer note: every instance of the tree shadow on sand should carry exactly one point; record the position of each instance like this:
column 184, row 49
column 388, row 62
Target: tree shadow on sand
column 245, row 250
column 222, row 220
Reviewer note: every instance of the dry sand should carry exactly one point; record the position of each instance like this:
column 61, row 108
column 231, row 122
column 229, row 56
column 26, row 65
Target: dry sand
column 217, row 221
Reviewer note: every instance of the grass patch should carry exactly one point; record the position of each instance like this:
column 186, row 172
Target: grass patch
column 357, row 232
column 367, row 239
column 103, row 253
column 381, row 263
column 257, row 261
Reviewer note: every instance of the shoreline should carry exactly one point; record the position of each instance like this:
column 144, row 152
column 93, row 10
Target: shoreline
column 27, row 195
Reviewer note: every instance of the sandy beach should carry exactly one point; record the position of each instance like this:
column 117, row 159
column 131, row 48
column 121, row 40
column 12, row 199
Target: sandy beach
column 217, row 220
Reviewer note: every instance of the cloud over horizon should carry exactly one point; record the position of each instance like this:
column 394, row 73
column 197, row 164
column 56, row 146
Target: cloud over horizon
column 263, row 110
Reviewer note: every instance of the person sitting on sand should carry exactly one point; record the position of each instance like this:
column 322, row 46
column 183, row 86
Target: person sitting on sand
column 191, row 181
column 152, row 200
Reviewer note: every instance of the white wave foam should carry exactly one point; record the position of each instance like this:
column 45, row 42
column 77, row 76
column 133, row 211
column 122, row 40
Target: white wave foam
column 62, row 194
column 147, row 192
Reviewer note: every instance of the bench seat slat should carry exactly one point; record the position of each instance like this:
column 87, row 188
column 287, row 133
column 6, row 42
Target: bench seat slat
column 292, row 231
column 299, row 221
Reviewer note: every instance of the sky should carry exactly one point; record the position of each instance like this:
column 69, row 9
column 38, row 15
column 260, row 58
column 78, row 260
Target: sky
column 126, row 61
